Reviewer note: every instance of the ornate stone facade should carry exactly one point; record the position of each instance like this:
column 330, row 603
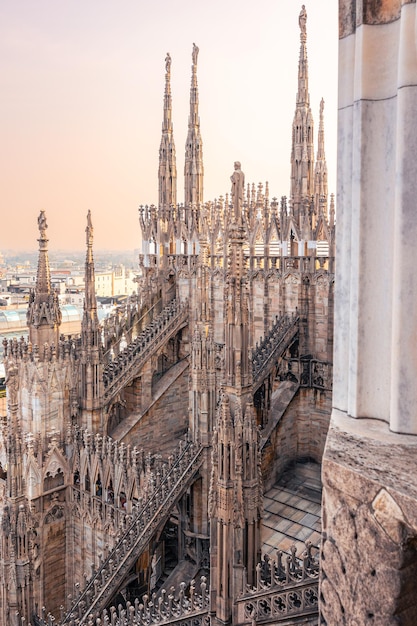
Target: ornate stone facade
column 147, row 441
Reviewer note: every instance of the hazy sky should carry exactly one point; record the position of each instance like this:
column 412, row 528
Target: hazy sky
column 82, row 85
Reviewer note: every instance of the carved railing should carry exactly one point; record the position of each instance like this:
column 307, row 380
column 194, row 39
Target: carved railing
column 146, row 518
column 124, row 320
column 183, row 609
column 284, row 588
column 277, row 340
column 309, row 372
column 130, row 361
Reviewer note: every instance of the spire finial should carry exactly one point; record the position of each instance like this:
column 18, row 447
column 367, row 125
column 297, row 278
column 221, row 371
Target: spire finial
column 193, row 167
column 168, row 63
column 196, row 50
column 302, row 21
column 167, row 172
column 238, row 190
column 42, row 225
column 43, row 314
column 89, row 230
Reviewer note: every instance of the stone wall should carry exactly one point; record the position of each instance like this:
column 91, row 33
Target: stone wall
column 166, row 421
column 369, row 544
column 296, row 288
column 54, row 564
column 300, row 433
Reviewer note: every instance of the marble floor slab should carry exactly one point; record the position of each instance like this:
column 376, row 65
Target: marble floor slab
column 292, row 510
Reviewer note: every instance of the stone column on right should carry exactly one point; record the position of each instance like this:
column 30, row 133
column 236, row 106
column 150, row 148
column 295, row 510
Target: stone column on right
column 369, row 547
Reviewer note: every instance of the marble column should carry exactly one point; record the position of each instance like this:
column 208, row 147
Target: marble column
column 369, row 546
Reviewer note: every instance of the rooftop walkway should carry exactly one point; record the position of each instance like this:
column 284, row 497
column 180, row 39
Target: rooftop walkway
column 292, row 510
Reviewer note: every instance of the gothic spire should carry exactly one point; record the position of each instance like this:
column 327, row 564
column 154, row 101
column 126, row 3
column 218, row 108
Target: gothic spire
column 302, row 152
column 320, row 174
column 167, row 174
column 193, row 168
column 90, row 319
column 91, row 364
column 235, row 475
column 44, row 314
column 303, row 96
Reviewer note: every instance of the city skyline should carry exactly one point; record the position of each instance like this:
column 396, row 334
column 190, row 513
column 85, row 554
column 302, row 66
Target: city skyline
column 83, row 107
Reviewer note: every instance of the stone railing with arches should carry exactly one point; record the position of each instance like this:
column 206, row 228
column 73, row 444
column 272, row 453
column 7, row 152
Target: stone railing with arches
column 285, row 587
column 130, row 360
column 147, row 515
column 185, row 608
column 275, row 343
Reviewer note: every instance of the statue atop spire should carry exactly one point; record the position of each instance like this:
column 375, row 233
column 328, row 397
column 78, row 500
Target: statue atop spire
column 238, row 189
column 302, row 21
column 89, row 230
column 168, row 63
column 196, row 50
column 42, row 225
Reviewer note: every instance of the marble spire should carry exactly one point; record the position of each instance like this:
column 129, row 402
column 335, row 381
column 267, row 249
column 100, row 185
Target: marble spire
column 44, row 314
column 193, row 169
column 90, row 319
column 167, row 173
column 320, row 173
column 302, row 151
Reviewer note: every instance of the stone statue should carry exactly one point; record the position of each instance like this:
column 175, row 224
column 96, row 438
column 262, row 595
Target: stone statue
column 321, row 107
column 168, row 63
column 89, row 229
column 238, row 186
column 196, row 50
column 42, row 225
column 302, row 20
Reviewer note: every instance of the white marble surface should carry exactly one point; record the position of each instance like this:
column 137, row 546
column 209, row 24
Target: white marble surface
column 375, row 360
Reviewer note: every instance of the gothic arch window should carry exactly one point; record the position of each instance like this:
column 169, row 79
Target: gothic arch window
column 87, row 482
column 152, row 246
column 293, row 244
column 222, row 460
column 98, row 489
column 110, row 492
column 53, row 481
column 123, row 500
column 228, row 461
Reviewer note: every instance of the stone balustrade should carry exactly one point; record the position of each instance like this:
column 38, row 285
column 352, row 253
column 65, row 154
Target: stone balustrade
column 185, row 608
column 276, row 342
column 22, row 350
column 128, row 363
column 285, row 587
column 147, row 516
column 122, row 322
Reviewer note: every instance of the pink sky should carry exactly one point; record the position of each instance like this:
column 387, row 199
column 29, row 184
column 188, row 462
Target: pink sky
column 82, row 93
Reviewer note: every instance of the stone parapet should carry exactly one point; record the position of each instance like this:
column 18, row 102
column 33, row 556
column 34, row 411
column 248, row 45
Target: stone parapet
column 368, row 562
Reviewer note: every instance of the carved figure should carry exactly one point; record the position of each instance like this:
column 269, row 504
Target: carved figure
column 89, row 229
column 196, row 50
column 42, row 225
column 302, row 20
column 238, row 186
column 168, row 63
